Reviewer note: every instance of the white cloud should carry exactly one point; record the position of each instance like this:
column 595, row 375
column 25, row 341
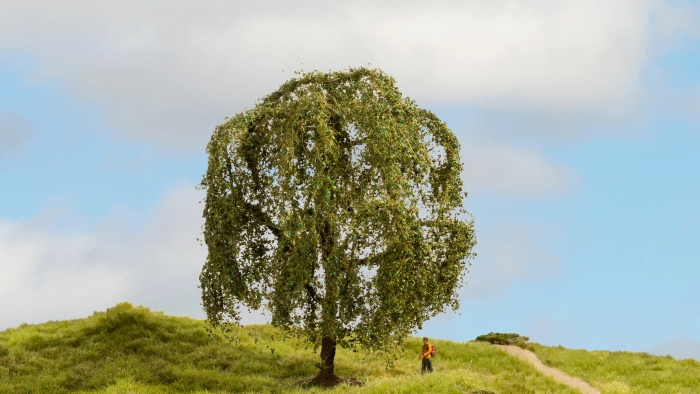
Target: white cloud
column 506, row 253
column 680, row 348
column 168, row 72
column 44, row 276
column 49, row 273
column 513, row 171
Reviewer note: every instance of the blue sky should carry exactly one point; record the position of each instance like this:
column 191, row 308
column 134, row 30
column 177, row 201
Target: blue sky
column 578, row 121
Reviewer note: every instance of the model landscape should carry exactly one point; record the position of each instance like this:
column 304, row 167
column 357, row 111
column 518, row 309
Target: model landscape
column 364, row 196
column 129, row 349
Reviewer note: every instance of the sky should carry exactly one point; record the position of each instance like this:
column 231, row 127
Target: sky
column 579, row 123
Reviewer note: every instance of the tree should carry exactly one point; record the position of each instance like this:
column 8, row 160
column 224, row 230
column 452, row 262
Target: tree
column 337, row 204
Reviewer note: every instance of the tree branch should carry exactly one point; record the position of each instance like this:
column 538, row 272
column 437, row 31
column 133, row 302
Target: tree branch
column 312, row 293
column 358, row 142
column 257, row 213
column 255, row 210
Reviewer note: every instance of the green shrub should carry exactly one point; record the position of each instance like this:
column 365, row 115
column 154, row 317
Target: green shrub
column 497, row 338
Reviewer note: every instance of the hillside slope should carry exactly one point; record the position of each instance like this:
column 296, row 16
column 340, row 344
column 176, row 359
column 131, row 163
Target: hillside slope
column 625, row 372
column 133, row 350
column 128, row 349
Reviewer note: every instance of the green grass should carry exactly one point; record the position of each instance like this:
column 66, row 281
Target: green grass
column 625, row 372
column 134, row 350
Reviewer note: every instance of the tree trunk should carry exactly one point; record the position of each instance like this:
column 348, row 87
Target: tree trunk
column 326, row 376
column 329, row 315
column 327, row 355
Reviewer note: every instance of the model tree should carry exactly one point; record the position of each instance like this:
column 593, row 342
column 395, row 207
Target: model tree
column 336, row 204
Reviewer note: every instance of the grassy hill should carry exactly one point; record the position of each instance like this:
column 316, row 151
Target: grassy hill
column 625, row 372
column 133, row 350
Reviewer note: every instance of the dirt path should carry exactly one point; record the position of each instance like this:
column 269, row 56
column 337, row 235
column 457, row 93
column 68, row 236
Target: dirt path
column 555, row 373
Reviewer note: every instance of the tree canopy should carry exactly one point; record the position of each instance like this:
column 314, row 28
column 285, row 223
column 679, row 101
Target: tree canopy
column 336, row 204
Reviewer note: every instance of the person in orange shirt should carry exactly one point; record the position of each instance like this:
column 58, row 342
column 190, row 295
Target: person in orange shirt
column 426, row 356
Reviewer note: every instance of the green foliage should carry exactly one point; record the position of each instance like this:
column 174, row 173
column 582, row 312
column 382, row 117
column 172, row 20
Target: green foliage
column 497, row 338
column 625, row 372
column 133, row 350
column 337, row 204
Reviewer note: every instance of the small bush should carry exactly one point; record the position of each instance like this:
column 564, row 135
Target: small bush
column 497, row 338
column 124, row 317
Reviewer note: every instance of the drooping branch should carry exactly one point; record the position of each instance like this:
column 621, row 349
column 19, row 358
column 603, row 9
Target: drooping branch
column 262, row 218
column 312, row 293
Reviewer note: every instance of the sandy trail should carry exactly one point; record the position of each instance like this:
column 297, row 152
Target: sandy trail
column 555, row 373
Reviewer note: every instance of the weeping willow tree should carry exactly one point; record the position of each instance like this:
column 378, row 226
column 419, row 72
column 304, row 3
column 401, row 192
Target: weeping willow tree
column 336, row 204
